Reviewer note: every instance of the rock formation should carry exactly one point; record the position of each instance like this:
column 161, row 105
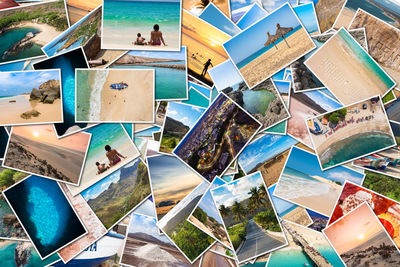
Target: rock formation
column 19, row 46
column 22, row 254
column 47, row 92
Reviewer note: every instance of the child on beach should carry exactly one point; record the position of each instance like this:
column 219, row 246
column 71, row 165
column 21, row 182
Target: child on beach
column 101, row 167
column 113, row 155
column 140, row 40
column 156, row 36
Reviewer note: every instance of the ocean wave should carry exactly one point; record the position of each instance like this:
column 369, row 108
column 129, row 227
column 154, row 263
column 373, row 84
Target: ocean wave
column 289, row 187
column 95, row 96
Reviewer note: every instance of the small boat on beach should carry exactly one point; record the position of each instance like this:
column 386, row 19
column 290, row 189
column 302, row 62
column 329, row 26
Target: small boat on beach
column 373, row 161
column 119, row 86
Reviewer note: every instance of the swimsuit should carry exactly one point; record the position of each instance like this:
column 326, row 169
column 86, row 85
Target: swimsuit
column 156, row 43
column 116, row 160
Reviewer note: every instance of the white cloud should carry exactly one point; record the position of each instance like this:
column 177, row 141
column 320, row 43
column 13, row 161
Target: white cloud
column 172, row 112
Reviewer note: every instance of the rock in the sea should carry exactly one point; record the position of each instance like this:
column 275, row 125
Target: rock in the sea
column 22, row 254
column 30, row 114
column 237, row 96
column 9, row 219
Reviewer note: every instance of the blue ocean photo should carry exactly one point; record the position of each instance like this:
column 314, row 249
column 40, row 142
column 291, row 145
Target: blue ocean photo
column 45, row 213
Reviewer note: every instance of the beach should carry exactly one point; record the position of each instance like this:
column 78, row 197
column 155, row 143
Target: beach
column 11, row 111
column 46, row 34
column 274, row 59
column 298, row 215
column 347, row 73
column 344, row 19
column 132, row 104
column 78, row 9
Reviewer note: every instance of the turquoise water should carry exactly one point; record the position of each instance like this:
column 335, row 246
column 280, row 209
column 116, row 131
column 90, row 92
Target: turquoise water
column 293, row 258
column 354, row 147
column 370, row 8
column 83, row 95
column 197, row 99
column 288, row 210
column 141, row 15
column 8, row 260
column 279, row 128
column 11, row 37
column 170, row 83
column 256, row 264
column 52, row 50
column 365, row 58
column 257, row 102
column 252, row 57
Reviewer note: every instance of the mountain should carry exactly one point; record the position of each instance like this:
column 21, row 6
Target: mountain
column 173, row 126
column 303, row 98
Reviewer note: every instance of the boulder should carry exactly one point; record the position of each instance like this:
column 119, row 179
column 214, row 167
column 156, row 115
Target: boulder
column 35, row 94
column 50, row 91
column 30, row 114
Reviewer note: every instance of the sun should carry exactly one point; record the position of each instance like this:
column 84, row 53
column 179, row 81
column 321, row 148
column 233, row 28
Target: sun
column 213, row 44
column 360, row 236
column 35, row 134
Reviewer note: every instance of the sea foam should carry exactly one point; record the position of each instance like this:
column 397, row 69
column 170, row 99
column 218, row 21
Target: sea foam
column 100, row 78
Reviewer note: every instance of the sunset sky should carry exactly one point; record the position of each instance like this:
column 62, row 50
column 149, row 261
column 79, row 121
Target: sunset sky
column 45, row 134
column 354, row 229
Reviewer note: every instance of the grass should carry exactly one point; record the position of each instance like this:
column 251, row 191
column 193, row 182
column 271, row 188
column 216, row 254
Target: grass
column 389, row 96
column 168, row 143
column 382, row 184
column 237, row 233
column 267, row 220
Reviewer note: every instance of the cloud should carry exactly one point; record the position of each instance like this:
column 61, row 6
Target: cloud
column 172, row 112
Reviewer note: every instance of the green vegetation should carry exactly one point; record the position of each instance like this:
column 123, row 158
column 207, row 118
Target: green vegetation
column 86, row 30
column 268, row 220
column 200, row 215
column 237, row 233
column 382, row 184
column 339, row 183
column 169, row 142
column 240, row 174
column 228, row 253
column 9, row 177
column 191, row 240
column 50, row 13
column 336, row 116
column 388, row 97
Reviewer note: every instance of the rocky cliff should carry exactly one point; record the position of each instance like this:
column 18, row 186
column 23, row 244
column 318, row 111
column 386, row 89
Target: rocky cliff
column 175, row 126
column 47, row 92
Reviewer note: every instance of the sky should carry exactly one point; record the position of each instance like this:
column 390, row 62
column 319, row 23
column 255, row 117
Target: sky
column 225, row 75
column 237, row 4
column 280, row 204
column 323, row 100
column 253, row 38
column 158, row 54
column 146, row 224
column 282, row 86
column 237, row 190
column 19, row 82
column 207, row 203
column 186, row 114
column 218, row 19
column 263, row 149
column 255, row 13
column 308, row 163
column 271, row 5
column 354, row 229
column 171, row 179
column 45, row 134
column 307, row 16
column 204, row 90
column 99, row 187
column 146, row 208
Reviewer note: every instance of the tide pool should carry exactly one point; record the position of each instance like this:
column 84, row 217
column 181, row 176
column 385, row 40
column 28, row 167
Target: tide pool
column 9, row 38
column 171, row 84
column 257, row 102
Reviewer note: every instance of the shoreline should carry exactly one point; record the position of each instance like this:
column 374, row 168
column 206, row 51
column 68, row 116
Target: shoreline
column 169, row 66
column 45, row 35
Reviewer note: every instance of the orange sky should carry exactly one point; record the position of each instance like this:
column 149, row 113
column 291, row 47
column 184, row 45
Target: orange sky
column 354, row 229
column 46, row 134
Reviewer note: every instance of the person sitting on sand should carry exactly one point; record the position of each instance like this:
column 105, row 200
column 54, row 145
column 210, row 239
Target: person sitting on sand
column 113, row 155
column 140, row 40
column 101, row 167
column 156, row 36
column 206, row 66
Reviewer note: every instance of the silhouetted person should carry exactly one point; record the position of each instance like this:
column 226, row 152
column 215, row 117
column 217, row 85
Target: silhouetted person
column 206, row 66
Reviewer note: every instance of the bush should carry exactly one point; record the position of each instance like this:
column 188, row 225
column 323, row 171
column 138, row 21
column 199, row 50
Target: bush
column 267, row 220
column 200, row 215
column 333, row 118
column 237, row 233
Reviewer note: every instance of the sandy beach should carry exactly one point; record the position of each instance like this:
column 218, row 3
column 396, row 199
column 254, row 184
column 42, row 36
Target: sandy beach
column 341, row 71
column 11, row 111
column 46, row 34
column 327, row 12
column 107, row 56
column 298, row 215
column 344, row 18
column 271, row 169
column 274, row 60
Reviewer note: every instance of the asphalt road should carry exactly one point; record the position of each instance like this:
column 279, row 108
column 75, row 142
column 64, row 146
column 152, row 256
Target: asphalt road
column 257, row 242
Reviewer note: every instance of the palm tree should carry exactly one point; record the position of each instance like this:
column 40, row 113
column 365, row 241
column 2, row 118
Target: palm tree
column 256, row 196
column 224, row 210
column 262, row 190
column 239, row 212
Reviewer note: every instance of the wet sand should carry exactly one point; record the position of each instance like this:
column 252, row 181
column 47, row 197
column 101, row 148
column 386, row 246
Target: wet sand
column 298, row 215
column 133, row 104
column 344, row 19
column 11, row 112
column 343, row 74
column 274, row 60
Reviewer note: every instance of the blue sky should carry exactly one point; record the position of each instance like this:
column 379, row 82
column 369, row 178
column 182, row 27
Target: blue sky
column 253, row 38
column 15, row 83
column 146, row 208
column 145, row 224
column 218, row 19
column 255, row 13
column 186, row 114
column 271, row 5
column 148, row 132
column 282, row 86
column 237, row 190
column 207, row 202
column 104, row 184
column 323, row 100
column 157, row 54
column 224, row 75
column 204, row 90
column 307, row 16
column 263, row 149
column 280, row 204
column 237, row 4
column 308, row 163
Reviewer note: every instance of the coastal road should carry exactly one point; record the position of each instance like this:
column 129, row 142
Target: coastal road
column 211, row 259
column 257, row 242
